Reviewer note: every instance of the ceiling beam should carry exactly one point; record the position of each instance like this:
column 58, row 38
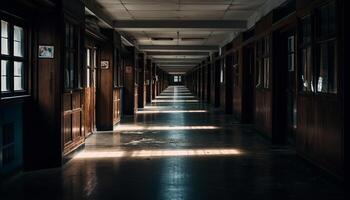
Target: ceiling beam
column 196, row 48
column 93, row 8
column 180, row 24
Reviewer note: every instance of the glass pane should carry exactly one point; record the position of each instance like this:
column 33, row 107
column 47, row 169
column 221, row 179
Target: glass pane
column 67, row 35
column 266, row 72
column 4, row 38
column 18, row 42
column 66, row 72
column 332, row 19
column 306, row 72
column 326, row 19
column 332, row 75
column 88, row 77
column 71, row 69
column 322, row 79
column 18, row 76
column 291, row 63
column 71, row 36
column 221, row 75
column 5, row 83
column 306, row 30
column 291, row 44
column 18, row 83
column 18, row 69
column 326, row 74
column 4, row 29
column 88, row 57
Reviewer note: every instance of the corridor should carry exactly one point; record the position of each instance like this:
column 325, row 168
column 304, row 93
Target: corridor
column 175, row 148
column 172, row 99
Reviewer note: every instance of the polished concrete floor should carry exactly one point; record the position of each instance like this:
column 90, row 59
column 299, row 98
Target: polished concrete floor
column 178, row 148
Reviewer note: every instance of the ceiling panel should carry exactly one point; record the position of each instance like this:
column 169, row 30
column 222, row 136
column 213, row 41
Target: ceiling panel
column 180, row 10
column 237, row 15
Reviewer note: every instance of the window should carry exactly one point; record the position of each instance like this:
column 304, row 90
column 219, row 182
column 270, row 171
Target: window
column 306, row 71
column 291, row 54
column 326, row 73
column 12, row 58
column 221, row 72
column 326, row 76
column 263, row 63
column 88, row 67
column 72, row 75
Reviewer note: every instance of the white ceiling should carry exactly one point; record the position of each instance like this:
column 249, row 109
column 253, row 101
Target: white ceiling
column 137, row 10
column 180, row 9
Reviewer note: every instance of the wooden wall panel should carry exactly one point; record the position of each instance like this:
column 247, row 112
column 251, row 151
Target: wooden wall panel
column 88, row 112
column 73, row 124
column 319, row 131
column 104, row 89
column 263, row 111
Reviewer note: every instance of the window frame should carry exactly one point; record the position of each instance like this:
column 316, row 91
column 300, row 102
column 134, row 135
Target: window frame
column 12, row 58
column 326, row 39
column 302, row 45
column 263, row 71
column 78, row 82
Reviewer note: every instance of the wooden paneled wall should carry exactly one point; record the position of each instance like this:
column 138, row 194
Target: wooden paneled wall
column 319, row 133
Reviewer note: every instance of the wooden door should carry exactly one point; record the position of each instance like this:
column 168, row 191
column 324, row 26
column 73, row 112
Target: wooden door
column 284, row 83
column 290, row 90
column 90, row 91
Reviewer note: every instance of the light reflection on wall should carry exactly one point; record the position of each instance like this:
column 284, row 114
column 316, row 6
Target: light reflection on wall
column 157, row 153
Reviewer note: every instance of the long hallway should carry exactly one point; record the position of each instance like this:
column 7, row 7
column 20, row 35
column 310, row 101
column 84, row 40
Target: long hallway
column 177, row 148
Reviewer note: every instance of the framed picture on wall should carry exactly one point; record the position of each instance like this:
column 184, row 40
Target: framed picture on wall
column 45, row 51
column 104, row 64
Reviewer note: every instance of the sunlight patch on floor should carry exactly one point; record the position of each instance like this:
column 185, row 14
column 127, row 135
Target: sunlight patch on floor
column 162, row 128
column 157, row 153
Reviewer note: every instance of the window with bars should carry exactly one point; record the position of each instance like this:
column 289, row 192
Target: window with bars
column 13, row 59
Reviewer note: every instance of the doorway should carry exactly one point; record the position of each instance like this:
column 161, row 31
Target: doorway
column 248, row 99
column 285, row 105
column 291, row 87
